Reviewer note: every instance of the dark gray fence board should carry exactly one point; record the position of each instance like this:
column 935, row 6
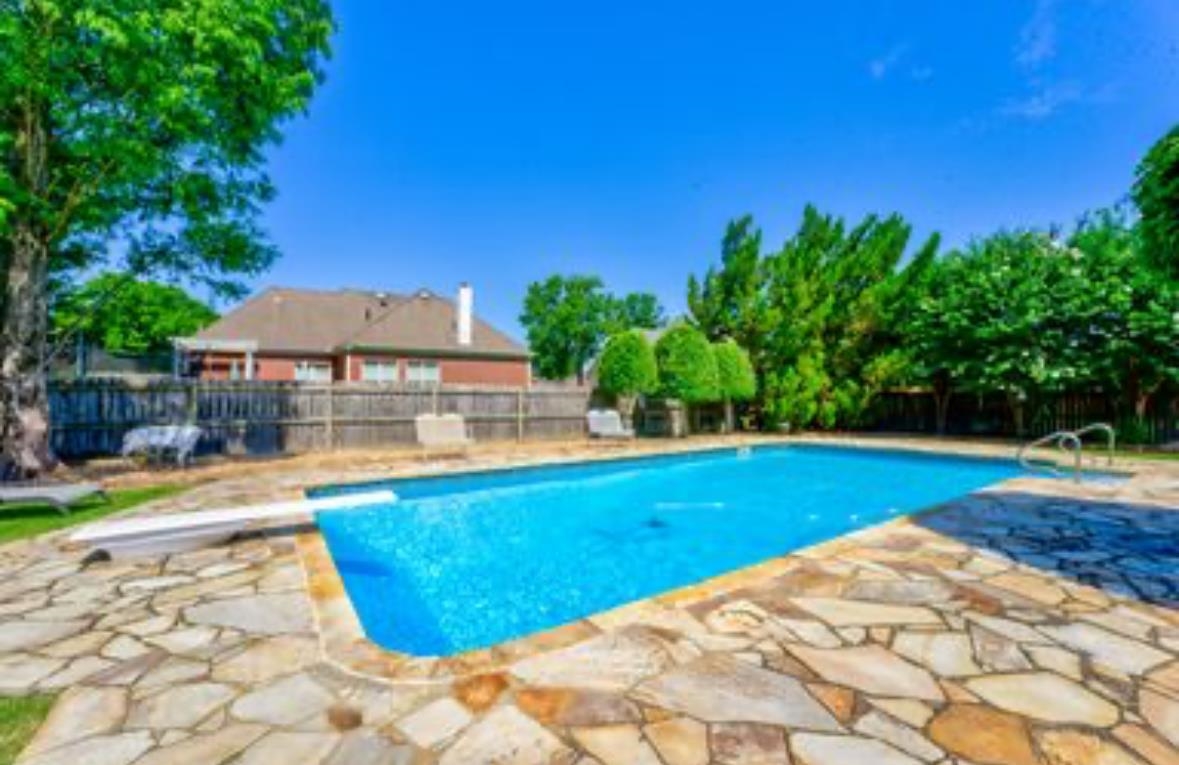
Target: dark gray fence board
column 90, row 417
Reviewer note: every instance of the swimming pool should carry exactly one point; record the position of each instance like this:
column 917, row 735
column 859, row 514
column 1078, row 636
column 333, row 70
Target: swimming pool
column 467, row 561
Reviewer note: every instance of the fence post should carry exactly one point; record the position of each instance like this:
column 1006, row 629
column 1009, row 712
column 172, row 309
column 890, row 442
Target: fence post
column 190, row 402
column 519, row 414
column 330, row 424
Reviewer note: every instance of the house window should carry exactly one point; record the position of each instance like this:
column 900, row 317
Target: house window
column 379, row 371
column 235, row 370
column 423, row 373
column 313, row 371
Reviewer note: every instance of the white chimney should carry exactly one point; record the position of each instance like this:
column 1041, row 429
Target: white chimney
column 466, row 299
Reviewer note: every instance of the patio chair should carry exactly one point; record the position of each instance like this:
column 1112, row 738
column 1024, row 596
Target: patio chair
column 160, row 441
column 60, row 495
column 442, row 432
column 607, row 423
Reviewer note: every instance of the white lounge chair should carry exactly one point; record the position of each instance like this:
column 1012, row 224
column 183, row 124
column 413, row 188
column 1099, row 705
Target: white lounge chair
column 60, row 495
column 159, row 534
column 161, row 440
column 606, row 423
column 442, row 432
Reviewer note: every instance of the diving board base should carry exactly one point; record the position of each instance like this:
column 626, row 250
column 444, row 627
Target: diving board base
column 182, row 532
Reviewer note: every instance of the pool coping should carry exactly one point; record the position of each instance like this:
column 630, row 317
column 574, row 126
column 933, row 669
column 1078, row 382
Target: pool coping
column 345, row 645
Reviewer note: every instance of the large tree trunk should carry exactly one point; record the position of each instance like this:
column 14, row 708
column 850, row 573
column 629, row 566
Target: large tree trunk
column 626, row 409
column 25, row 423
column 24, row 401
column 942, row 390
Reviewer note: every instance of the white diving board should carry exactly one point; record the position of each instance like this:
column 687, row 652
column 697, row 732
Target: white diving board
column 178, row 532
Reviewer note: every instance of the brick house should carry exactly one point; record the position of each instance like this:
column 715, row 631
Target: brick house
column 355, row 336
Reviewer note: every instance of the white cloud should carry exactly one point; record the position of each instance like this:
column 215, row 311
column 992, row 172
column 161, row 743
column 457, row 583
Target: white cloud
column 880, row 67
column 1045, row 101
column 1037, row 38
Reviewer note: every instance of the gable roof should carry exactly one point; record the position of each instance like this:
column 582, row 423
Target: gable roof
column 315, row 321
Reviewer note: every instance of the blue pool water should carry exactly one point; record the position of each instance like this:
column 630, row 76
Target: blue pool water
column 465, row 562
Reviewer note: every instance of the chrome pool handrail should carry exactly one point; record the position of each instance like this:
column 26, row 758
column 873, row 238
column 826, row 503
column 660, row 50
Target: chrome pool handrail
column 1067, row 440
column 1110, row 434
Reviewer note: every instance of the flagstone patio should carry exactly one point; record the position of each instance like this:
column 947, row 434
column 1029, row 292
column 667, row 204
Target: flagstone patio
column 1035, row 624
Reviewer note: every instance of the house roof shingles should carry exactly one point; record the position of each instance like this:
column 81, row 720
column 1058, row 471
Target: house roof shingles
column 311, row 321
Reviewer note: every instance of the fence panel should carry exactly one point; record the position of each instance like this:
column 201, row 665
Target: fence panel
column 990, row 415
column 250, row 417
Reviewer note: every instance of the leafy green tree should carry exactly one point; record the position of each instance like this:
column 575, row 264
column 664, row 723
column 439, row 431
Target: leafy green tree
column 567, row 318
column 1156, row 193
column 1002, row 316
column 1126, row 317
column 637, row 310
column 627, row 366
column 627, row 369
column 736, row 380
column 122, row 314
column 135, row 128
column 687, row 366
column 1026, row 315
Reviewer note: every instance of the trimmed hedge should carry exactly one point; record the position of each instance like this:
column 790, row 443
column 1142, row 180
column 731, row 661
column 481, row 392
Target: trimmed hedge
column 737, row 381
column 627, row 366
column 687, row 366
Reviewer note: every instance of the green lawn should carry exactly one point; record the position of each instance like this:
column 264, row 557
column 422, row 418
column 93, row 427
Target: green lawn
column 19, row 719
column 20, row 521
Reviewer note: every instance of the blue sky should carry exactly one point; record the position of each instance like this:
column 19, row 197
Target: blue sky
column 501, row 142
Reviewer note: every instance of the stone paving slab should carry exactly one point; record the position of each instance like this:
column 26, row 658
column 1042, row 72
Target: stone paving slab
column 1036, row 625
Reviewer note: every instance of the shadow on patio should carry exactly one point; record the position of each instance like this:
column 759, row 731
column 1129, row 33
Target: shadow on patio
column 1125, row 549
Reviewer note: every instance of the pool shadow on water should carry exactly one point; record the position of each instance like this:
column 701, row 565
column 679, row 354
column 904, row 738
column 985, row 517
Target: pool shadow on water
column 1125, row 549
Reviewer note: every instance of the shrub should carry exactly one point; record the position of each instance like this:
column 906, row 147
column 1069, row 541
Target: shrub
column 627, row 366
column 736, row 380
column 687, row 365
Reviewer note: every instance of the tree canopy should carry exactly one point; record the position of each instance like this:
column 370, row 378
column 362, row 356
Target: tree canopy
column 636, row 310
column 567, row 318
column 136, row 131
column 125, row 315
column 815, row 315
column 627, row 365
column 728, row 302
column 1156, row 194
column 1029, row 316
column 736, row 380
column 687, row 366
column 144, row 125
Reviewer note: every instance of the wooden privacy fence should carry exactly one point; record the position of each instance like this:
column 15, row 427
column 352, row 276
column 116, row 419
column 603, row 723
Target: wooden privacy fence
column 990, row 415
column 89, row 418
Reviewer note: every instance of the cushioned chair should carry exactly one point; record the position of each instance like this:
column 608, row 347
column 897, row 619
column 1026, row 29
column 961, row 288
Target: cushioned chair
column 606, row 423
column 162, row 441
column 442, row 432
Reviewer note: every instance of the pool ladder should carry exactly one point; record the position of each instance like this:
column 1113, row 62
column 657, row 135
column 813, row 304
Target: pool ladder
column 1066, row 441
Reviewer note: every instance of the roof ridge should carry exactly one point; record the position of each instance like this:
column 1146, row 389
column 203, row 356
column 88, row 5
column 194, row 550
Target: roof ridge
column 325, row 291
column 400, row 304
